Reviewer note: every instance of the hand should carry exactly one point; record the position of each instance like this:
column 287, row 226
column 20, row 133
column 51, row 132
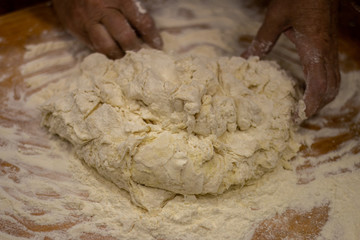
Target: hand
column 109, row 26
column 311, row 26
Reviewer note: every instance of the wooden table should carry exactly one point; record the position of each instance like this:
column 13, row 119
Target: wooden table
column 28, row 26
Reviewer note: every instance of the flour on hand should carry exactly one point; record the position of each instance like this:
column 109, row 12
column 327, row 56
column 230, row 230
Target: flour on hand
column 157, row 125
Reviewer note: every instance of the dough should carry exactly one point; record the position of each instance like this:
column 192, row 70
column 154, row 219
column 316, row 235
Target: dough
column 158, row 125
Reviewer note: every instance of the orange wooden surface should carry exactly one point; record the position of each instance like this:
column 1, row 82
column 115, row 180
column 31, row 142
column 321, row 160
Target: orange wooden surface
column 27, row 26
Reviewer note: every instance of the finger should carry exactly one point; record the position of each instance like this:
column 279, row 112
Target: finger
column 314, row 69
column 262, row 44
column 102, row 42
column 316, row 88
column 141, row 20
column 121, row 31
column 274, row 24
column 317, row 48
column 321, row 71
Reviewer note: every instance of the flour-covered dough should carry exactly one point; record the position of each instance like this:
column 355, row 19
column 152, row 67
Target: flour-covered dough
column 158, row 125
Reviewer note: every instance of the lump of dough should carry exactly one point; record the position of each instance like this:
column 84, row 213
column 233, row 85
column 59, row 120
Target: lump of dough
column 158, row 125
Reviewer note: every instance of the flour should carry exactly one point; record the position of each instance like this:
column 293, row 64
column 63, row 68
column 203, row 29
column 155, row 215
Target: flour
column 52, row 189
column 140, row 8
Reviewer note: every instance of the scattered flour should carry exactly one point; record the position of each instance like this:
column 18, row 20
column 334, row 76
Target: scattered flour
column 46, row 185
column 140, row 8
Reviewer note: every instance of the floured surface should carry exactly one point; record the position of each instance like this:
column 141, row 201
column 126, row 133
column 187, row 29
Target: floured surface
column 46, row 192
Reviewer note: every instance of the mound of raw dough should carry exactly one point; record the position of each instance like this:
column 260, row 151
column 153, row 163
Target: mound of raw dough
column 157, row 125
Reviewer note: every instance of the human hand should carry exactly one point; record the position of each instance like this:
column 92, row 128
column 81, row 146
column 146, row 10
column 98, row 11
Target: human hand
column 311, row 26
column 109, row 26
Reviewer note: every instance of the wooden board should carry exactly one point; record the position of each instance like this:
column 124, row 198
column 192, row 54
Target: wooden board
column 28, row 26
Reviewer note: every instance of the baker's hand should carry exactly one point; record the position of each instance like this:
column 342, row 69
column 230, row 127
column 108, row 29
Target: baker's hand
column 311, row 26
column 109, row 26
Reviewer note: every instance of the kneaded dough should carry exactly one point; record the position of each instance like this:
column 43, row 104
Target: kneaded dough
column 158, row 125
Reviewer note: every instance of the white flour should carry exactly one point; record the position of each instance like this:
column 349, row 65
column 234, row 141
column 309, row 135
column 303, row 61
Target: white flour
column 44, row 192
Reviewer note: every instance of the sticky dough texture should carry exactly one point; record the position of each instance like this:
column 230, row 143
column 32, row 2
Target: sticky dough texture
column 158, row 125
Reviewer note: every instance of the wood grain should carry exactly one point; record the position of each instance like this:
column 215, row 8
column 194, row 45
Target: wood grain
column 28, row 26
